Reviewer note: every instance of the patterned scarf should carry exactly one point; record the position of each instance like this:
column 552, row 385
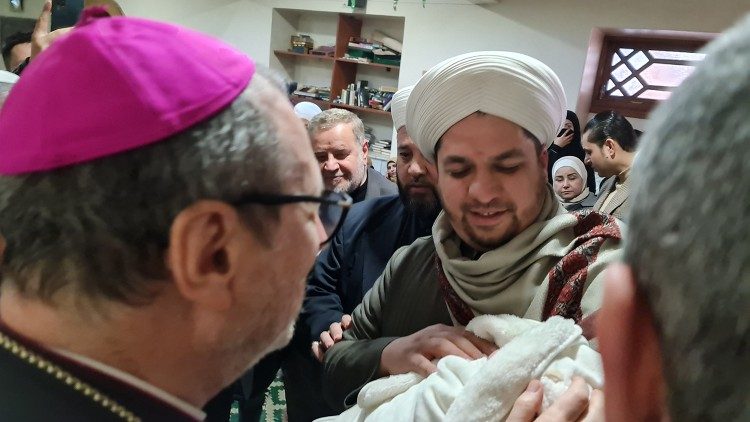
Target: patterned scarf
column 567, row 277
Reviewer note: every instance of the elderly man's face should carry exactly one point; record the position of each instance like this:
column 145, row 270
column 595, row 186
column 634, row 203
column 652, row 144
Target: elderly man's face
column 343, row 162
column 415, row 176
column 491, row 180
column 567, row 183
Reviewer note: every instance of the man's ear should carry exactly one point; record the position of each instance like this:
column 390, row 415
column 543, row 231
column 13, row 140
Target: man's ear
column 365, row 149
column 544, row 160
column 610, row 146
column 202, row 254
column 631, row 355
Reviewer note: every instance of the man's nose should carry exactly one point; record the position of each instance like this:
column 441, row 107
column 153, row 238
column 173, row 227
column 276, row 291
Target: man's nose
column 330, row 164
column 484, row 188
column 415, row 168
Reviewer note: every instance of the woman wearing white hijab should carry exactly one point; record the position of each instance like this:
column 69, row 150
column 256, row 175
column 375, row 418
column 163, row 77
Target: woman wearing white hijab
column 569, row 183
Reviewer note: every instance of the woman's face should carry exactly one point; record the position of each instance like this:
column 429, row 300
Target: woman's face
column 567, row 183
column 568, row 125
column 391, row 169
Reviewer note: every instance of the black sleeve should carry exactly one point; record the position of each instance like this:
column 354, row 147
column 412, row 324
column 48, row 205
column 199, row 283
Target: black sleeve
column 322, row 305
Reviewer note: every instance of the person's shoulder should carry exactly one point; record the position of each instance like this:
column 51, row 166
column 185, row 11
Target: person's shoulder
column 423, row 248
column 374, row 204
column 384, row 186
column 373, row 208
column 27, row 386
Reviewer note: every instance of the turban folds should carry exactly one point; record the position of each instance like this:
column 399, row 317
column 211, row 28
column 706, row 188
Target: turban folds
column 398, row 106
column 509, row 85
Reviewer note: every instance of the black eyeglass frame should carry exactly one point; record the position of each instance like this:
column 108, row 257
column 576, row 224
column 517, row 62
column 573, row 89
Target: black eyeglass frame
column 274, row 199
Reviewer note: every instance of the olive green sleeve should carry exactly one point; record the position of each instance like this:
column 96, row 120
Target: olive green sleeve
column 355, row 361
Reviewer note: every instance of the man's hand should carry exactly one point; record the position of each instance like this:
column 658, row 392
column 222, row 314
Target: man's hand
column 573, row 406
column 328, row 338
column 42, row 38
column 416, row 352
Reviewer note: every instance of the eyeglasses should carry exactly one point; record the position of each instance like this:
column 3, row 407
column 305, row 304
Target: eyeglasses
column 332, row 210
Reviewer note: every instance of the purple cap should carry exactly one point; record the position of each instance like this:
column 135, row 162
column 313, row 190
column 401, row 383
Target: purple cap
column 113, row 85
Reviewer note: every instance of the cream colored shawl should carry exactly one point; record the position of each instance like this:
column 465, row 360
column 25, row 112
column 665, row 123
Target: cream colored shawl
column 512, row 279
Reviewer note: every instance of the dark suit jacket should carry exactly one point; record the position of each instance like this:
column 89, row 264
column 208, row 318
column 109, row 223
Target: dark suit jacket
column 345, row 271
column 378, row 185
column 31, row 393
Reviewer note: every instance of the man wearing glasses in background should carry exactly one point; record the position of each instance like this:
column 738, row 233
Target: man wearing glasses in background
column 159, row 228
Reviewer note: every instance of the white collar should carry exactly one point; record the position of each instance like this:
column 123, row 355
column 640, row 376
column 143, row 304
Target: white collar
column 135, row 382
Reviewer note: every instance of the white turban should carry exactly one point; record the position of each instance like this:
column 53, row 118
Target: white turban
column 573, row 162
column 513, row 86
column 307, row 110
column 398, row 106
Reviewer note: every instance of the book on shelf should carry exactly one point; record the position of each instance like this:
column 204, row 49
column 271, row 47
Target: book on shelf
column 314, row 92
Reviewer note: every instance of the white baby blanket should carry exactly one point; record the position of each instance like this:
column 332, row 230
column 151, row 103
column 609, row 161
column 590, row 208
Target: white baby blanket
column 485, row 389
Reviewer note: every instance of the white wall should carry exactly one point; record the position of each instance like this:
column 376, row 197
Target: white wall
column 32, row 9
column 554, row 31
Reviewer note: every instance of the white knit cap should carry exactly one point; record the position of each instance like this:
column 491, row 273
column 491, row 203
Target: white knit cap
column 307, row 110
column 398, row 106
column 573, row 162
column 513, row 86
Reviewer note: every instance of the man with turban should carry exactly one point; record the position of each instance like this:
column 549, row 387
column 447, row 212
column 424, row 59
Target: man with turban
column 503, row 245
column 161, row 215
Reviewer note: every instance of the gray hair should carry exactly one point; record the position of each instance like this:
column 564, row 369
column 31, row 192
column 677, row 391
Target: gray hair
column 103, row 227
column 689, row 231
column 333, row 117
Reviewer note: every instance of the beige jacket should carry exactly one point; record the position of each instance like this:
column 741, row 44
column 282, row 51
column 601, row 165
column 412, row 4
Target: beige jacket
column 620, row 204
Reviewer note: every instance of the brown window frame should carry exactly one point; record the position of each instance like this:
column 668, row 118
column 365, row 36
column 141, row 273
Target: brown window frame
column 604, row 43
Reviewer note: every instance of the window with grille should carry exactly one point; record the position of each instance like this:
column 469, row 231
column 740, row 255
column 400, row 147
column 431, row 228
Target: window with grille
column 635, row 72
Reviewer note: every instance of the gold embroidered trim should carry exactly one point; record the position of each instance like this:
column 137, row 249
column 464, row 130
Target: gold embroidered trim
column 65, row 377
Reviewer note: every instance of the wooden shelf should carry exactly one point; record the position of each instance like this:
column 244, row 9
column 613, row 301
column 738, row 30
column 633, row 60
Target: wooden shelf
column 324, row 105
column 386, row 66
column 373, row 111
column 282, row 53
column 307, row 69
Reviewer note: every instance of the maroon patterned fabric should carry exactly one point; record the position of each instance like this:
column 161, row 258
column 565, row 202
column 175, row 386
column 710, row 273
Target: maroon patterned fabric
column 459, row 309
column 566, row 279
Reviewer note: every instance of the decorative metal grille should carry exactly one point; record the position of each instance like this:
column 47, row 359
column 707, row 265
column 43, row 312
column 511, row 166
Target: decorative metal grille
column 646, row 73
